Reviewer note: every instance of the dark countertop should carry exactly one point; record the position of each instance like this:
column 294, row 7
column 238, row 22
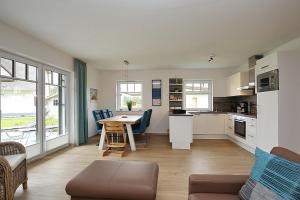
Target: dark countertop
column 185, row 114
column 191, row 113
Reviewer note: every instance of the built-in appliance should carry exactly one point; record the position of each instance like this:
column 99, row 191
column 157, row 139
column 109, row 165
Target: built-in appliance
column 240, row 127
column 242, row 108
column 268, row 81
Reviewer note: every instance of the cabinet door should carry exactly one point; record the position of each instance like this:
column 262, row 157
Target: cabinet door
column 267, row 120
column 211, row 124
column 229, row 125
column 251, row 132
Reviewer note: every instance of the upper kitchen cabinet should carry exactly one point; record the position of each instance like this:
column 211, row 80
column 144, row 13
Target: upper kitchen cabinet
column 235, row 82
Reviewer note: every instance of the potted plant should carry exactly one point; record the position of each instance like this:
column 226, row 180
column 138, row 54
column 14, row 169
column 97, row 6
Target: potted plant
column 129, row 105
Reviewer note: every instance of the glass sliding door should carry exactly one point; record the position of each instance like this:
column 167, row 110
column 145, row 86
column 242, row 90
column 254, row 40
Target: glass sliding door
column 19, row 106
column 55, row 111
column 34, row 104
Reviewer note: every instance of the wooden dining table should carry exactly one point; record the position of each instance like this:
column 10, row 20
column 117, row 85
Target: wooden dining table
column 128, row 120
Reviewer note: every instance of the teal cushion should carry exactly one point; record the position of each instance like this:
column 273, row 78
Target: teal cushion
column 272, row 178
column 262, row 158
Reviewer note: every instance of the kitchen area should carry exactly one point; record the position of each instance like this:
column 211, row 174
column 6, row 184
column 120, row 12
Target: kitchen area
column 250, row 115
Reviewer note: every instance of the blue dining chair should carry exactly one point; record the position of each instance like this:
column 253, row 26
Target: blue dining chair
column 106, row 113
column 110, row 113
column 149, row 118
column 98, row 115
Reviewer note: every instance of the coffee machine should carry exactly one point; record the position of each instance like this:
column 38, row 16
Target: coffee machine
column 242, row 107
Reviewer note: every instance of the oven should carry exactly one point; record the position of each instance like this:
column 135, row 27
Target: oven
column 240, row 127
column 268, row 81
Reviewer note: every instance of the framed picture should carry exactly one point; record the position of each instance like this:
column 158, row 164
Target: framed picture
column 93, row 95
column 156, row 92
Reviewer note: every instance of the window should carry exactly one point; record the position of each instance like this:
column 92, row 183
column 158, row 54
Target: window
column 198, row 94
column 129, row 90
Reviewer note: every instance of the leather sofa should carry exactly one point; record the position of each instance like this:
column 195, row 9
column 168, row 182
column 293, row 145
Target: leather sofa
column 226, row 187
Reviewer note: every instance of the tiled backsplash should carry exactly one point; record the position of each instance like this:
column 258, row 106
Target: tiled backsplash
column 229, row 104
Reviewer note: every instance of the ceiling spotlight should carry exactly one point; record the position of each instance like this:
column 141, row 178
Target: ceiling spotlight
column 211, row 58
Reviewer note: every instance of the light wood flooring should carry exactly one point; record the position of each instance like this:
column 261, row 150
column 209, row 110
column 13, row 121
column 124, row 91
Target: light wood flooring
column 48, row 176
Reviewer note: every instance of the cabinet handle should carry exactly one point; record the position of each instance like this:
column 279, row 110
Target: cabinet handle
column 264, row 67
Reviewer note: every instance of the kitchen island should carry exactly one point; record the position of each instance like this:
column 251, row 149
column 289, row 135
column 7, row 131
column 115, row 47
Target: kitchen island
column 181, row 130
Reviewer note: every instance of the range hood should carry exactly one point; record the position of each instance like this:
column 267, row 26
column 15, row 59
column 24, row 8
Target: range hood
column 251, row 72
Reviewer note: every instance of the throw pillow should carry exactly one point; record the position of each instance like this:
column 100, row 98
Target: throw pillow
column 272, row 178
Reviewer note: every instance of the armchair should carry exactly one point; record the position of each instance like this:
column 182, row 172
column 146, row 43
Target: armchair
column 13, row 169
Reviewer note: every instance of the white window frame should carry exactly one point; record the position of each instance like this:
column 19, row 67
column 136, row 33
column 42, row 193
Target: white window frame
column 118, row 95
column 40, row 147
column 210, row 93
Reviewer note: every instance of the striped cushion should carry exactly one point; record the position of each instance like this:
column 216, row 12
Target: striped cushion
column 280, row 179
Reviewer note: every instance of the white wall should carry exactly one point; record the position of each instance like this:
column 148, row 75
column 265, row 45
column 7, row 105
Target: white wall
column 93, row 75
column 159, row 120
column 289, row 98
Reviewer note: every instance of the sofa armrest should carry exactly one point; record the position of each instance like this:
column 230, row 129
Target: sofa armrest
column 225, row 184
column 11, row 148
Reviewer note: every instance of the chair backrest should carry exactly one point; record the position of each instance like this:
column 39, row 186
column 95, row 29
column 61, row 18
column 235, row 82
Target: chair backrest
column 105, row 113
column 149, row 117
column 110, row 113
column 98, row 115
column 114, row 127
column 144, row 121
column 286, row 154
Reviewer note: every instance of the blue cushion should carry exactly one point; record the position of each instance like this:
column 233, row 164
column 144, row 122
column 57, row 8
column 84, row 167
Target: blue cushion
column 272, row 178
column 261, row 160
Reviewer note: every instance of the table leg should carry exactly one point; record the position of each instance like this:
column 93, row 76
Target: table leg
column 130, row 136
column 102, row 138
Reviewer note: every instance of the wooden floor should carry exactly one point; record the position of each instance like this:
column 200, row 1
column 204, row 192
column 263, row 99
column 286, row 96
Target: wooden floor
column 48, row 176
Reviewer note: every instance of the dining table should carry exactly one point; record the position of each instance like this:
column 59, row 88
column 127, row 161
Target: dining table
column 128, row 121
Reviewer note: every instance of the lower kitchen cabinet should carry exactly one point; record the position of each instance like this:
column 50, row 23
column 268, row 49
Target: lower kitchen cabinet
column 209, row 123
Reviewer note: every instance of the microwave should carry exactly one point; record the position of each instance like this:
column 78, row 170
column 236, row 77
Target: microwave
column 268, row 81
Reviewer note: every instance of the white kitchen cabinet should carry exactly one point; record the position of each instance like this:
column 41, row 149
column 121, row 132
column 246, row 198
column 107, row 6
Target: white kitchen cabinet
column 236, row 81
column 267, row 120
column 229, row 125
column 251, row 132
column 209, row 123
column 181, row 131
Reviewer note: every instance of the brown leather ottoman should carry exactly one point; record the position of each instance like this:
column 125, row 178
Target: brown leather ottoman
column 115, row 180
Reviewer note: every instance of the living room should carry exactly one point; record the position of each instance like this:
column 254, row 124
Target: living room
column 202, row 89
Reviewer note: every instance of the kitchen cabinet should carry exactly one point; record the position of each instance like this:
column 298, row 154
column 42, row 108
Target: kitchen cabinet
column 251, row 138
column 229, row 125
column 181, row 131
column 236, row 81
column 209, row 123
column 250, row 141
column 267, row 115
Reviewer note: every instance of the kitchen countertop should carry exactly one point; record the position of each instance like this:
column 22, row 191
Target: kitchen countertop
column 191, row 113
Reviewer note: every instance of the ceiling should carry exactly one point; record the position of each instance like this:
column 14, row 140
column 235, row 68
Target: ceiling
column 157, row 33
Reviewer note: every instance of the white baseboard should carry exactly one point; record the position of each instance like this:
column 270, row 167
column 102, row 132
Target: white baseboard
column 244, row 146
column 209, row 136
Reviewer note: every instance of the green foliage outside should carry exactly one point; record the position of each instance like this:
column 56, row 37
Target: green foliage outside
column 10, row 122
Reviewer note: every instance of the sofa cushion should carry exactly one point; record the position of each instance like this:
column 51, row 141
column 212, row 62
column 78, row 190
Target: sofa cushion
column 212, row 196
column 276, row 179
column 15, row 160
column 106, row 179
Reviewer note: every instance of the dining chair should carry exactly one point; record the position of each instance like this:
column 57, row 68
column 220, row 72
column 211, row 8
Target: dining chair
column 106, row 113
column 149, row 118
column 98, row 115
column 116, row 138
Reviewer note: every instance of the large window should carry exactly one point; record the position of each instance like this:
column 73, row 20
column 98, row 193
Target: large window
column 198, row 95
column 129, row 90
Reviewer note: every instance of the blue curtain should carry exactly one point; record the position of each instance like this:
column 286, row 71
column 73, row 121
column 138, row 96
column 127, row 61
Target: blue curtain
column 81, row 95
